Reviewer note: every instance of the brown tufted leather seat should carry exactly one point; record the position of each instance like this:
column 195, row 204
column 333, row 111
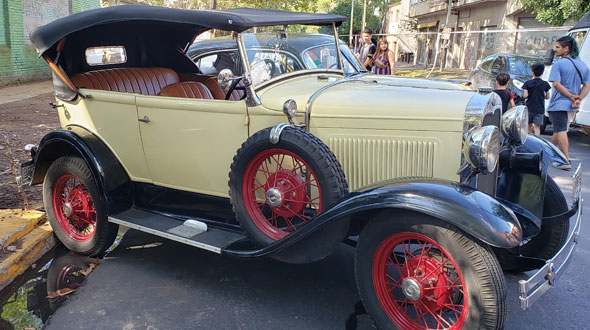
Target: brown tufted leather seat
column 188, row 89
column 146, row 81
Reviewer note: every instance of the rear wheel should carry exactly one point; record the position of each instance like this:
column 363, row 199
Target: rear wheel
column 75, row 209
column 415, row 272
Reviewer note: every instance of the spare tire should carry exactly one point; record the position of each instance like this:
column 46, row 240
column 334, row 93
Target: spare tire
column 277, row 188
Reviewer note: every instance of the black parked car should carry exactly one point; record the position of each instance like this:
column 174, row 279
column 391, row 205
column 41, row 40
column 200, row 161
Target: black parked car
column 518, row 67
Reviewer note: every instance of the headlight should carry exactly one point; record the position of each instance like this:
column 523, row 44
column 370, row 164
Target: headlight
column 515, row 124
column 517, row 83
column 482, row 147
column 290, row 108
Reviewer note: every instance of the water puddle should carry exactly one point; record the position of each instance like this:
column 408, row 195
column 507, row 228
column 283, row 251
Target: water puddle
column 35, row 295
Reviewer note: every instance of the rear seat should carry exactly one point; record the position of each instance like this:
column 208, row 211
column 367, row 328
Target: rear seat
column 188, row 89
column 146, row 81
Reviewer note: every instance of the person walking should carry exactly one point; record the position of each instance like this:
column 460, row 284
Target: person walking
column 506, row 95
column 383, row 60
column 567, row 76
column 367, row 50
column 536, row 91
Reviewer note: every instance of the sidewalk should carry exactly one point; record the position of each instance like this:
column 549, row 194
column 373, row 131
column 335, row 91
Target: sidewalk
column 13, row 93
column 25, row 237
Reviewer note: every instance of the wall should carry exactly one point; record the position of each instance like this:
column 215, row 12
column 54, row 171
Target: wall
column 19, row 61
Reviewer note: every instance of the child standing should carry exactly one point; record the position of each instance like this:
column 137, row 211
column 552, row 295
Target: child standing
column 536, row 91
column 506, row 95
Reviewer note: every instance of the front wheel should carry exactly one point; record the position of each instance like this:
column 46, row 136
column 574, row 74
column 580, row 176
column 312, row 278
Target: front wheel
column 416, row 272
column 75, row 209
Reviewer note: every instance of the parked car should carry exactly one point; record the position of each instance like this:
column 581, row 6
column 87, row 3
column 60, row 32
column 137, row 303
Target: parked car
column 518, row 67
column 435, row 189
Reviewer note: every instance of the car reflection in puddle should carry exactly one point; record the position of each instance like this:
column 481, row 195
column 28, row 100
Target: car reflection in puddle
column 34, row 296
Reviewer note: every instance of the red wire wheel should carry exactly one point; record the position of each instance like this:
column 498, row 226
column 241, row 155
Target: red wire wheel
column 418, row 284
column 74, row 208
column 414, row 271
column 277, row 188
column 281, row 192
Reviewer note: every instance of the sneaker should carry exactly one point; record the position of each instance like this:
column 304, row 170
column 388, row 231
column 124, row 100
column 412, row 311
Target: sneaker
column 562, row 166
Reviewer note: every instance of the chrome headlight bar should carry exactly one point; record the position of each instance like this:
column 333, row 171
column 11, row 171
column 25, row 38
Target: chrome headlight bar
column 515, row 124
column 482, row 148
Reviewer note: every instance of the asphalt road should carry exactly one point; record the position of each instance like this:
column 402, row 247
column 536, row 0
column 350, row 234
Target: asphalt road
column 152, row 283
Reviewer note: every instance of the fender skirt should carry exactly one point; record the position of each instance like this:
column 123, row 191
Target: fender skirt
column 114, row 183
column 460, row 205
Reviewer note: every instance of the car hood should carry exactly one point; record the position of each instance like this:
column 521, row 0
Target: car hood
column 376, row 102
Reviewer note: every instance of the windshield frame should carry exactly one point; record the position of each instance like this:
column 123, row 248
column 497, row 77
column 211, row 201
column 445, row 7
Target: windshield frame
column 243, row 50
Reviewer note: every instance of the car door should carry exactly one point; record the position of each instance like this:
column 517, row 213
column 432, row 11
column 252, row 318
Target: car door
column 188, row 143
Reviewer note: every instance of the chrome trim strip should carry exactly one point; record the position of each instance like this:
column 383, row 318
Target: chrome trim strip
column 314, row 96
column 166, row 235
column 533, row 288
column 275, row 133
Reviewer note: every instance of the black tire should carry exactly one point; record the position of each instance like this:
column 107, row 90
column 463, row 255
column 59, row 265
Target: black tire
column 320, row 177
column 552, row 235
column 470, row 267
column 79, row 220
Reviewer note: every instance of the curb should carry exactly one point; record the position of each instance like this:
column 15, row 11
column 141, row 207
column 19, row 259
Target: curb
column 25, row 237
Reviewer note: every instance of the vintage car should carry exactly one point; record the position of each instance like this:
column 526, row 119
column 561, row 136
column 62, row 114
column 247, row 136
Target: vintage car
column 436, row 190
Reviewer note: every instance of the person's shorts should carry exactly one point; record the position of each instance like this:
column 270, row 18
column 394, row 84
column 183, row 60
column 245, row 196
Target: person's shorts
column 536, row 118
column 560, row 120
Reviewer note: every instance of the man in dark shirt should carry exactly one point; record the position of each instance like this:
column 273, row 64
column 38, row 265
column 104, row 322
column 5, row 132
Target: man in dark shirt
column 536, row 91
column 367, row 50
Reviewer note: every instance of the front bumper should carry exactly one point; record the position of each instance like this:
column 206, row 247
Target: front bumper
column 534, row 287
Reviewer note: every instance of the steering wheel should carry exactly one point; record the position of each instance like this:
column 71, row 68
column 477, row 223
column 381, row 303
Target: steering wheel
column 234, row 86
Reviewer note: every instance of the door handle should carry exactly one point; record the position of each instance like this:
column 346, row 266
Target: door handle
column 145, row 119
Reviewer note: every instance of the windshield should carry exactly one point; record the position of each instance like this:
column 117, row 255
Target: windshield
column 278, row 50
column 521, row 66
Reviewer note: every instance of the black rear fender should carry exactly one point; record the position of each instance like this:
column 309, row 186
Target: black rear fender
column 114, row 183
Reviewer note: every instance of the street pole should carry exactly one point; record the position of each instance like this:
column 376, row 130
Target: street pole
column 351, row 23
column 448, row 30
column 364, row 15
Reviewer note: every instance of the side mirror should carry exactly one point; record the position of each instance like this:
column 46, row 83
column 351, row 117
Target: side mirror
column 224, row 78
column 548, row 58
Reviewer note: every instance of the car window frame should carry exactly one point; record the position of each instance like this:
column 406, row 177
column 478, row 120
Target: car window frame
column 481, row 65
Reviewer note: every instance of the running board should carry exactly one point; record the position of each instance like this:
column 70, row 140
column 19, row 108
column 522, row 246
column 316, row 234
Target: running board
column 191, row 232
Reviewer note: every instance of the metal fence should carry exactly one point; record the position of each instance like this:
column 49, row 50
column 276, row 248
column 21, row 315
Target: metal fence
column 465, row 49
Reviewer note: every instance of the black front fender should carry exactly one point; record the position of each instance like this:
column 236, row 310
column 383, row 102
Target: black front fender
column 112, row 179
column 460, row 205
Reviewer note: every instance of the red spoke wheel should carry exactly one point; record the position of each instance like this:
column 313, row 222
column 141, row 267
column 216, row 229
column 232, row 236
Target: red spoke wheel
column 277, row 188
column 76, row 210
column 416, row 272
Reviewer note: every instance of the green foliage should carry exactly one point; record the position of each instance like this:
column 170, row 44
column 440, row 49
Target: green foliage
column 557, row 12
column 293, row 5
column 371, row 21
column 15, row 311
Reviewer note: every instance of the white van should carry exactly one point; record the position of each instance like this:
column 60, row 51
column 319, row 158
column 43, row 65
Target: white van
column 580, row 32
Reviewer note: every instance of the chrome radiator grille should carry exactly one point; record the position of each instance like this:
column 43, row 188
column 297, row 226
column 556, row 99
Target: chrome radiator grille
column 369, row 160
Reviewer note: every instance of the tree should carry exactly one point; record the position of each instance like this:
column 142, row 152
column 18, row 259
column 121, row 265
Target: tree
column 557, row 12
column 372, row 22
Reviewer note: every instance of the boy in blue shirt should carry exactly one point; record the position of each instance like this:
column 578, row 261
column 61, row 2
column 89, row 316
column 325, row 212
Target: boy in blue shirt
column 567, row 76
column 536, row 91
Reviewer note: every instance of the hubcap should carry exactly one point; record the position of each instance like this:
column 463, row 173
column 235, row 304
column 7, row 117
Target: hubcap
column 411, row 289
column 274, row 197
column 67, row 208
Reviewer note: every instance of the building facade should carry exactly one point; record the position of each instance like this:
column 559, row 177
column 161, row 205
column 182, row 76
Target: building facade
column 472, row 18
column 19, row 60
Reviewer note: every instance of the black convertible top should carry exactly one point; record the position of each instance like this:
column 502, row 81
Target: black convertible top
column 583, row 23
column 197, row 21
